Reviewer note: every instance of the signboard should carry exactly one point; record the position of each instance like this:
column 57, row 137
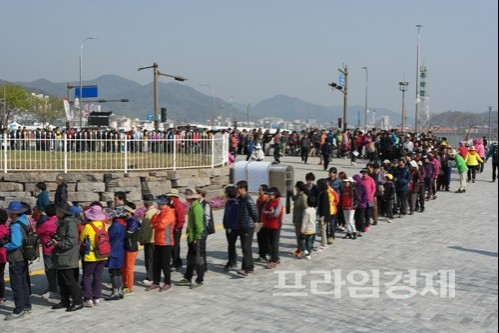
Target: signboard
column 341, row 80
column 88, row 92
column 150, row 117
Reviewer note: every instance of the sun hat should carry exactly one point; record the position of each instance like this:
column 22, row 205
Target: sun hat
column 349, row 180
column 173, row 193
column 16, row 207
column 258, row 146
column 472, row 148
column 162, row 200
column 386, row 162
column 76, row 211
column 191, row 194
column 148, row 197
column 95, row 213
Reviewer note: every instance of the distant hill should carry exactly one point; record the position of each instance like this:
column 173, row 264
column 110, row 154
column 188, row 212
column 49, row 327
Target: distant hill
column 186, row 104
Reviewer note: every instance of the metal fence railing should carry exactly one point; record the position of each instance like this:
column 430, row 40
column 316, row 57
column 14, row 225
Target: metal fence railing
column 124, row 154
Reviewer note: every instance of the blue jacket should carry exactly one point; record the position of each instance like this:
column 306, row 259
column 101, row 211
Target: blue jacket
column 13, row 247
column 42, row 201
column 117, row 232
column 402, row 178
column 230, row 215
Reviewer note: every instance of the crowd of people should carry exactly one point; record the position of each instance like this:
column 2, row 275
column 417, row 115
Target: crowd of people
column 402, row 174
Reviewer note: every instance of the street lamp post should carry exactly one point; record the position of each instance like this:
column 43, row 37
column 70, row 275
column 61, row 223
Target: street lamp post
column 344, row 90
column 81, row 84
column 157, row 73
column 248, row 106
column 418, row 100
column 403, row 89
column 490, row 123
column 365, row 103
column 213, row 108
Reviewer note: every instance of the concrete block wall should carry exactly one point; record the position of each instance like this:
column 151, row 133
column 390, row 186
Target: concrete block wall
column 84, row 188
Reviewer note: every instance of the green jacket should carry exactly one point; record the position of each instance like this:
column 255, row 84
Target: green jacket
column 67, row 251
column 195, row 224
column 460, row 164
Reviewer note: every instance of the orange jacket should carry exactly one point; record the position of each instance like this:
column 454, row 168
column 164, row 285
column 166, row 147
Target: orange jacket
column 163, row 224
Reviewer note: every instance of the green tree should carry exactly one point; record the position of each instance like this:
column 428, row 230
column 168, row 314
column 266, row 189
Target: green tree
column 46, row 109
column 14, row 99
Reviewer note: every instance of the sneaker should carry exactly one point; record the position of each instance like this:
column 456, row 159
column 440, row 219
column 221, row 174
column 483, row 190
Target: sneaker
column 242, row 273
column 261, row 259
column 13, row 316
column 306, row 253
column 166, row 287
column 320, row 248
column 88, row 304
column 147, row 282
column 366, row 229
column 46, row 295
column 308, row 257
column 153, row 286
column 184, row 282
column 96, row 301
column 127, row 291
column 28, row 310
column 389, row 221
column 271, row 265
column 2, row 300
column 297, row 253
column 353, row 163
column 197, row 285
column 330, row 241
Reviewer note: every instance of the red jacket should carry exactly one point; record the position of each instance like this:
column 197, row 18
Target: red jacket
column 179, row 212
column 272, row 214
column 4, row 231
column 44, row 230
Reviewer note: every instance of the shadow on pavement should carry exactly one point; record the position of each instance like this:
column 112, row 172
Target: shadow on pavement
column 485, row 253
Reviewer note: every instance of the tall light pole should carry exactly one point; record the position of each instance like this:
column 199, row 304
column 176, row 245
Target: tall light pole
column 403, row 89
column 213, row 109
column 248, row 106
column 81, row 85
column 490, row 123
column 418, row 100
column 343, row 87
column 157, row 73
column 365, row 103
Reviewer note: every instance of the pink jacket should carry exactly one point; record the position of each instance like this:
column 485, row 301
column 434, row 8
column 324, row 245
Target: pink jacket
column 44, row 230
column 4, row 231
column 480, row 149
column 370, row 188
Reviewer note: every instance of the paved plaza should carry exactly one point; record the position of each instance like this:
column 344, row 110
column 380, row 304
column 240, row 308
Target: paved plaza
column 399, row 277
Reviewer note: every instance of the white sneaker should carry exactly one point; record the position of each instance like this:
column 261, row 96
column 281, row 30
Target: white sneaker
column 88, row 304
column 96, row 301
column 306, row 253
column 353, row 163
column 389, row 221
column 147, row 282
column 308, row 257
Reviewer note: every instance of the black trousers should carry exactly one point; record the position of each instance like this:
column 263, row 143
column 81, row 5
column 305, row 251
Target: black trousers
column 19, row 284
column 69, row 286
column 161, row 262
column 176, row 260
column 246, row 246
column 149, row 260
column 202, row 251
column 402, row 202
column 263, row 247
column 194, row 262
column 273, row 242
column 304, row 154
column 231, row 247
column 2, row 279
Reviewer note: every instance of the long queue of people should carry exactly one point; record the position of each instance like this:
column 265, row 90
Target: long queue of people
column 95, row 238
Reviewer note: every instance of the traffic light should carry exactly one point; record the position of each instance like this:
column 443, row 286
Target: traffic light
column 163, row 115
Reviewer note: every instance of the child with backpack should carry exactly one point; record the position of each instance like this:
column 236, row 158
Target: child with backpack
column 96, row 242
column 117, row 233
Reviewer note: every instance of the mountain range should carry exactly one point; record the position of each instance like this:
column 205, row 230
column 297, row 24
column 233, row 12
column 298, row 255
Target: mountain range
column 185, row 104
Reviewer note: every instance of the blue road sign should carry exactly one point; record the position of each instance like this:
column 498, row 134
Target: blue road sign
column 150, row 117
column 341, row 80
column 88, row 92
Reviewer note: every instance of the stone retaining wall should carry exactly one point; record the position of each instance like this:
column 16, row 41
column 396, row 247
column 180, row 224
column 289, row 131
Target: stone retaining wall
column 83, row 188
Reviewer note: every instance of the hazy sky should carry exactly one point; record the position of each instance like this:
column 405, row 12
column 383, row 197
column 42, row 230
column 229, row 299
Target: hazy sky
column 253, row 50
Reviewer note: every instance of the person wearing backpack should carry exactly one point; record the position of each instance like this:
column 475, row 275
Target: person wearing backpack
column 209, row 224
column 131, row 247
column 18, row 266
column 66, row 255
column 93, row 261
column 45, row 227
column 117, row 233
column 4, row 235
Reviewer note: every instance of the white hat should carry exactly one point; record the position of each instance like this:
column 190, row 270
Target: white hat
column 349, row 180
column 413, row 164
column 258, row 146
